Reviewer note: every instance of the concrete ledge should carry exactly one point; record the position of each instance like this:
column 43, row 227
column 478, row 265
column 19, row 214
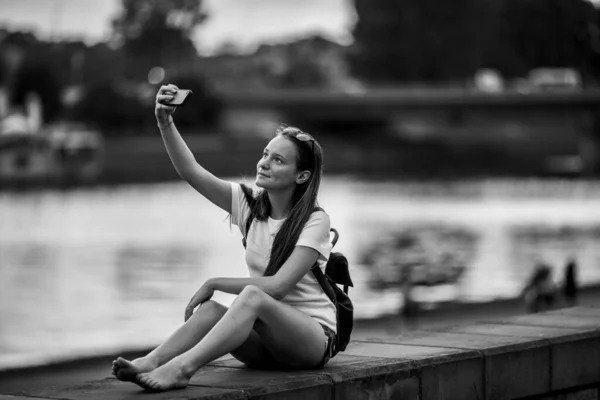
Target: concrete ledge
column 554, row 355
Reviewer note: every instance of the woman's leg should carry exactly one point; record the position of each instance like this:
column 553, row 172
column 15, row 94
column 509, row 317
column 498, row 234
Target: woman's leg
column 183, row 339
column 288, row 334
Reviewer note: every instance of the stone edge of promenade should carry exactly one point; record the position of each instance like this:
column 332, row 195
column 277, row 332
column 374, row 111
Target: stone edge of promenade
column 553, row 355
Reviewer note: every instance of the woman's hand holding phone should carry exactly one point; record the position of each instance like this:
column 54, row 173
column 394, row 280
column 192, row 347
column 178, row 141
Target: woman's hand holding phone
column 162, row 109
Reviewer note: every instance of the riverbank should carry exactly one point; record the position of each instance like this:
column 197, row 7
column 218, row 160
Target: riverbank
column 144, row 159
column 446, row 314
column 377, row 156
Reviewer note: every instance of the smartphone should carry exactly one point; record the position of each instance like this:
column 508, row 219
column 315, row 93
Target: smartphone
column 180, row 98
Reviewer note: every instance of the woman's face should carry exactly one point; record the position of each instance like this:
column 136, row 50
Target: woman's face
column 277, row 168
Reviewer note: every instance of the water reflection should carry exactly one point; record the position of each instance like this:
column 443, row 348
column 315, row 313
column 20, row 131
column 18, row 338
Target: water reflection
column 556, row 246
column 427, row 255
column 96, row 270
column 453, row 262
column 154, row 273
column 21, row 276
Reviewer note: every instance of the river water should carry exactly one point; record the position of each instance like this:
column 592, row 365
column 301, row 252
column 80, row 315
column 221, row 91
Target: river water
column 96, row 270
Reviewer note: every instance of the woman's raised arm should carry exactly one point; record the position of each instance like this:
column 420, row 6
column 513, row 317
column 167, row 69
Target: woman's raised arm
column 214, row 189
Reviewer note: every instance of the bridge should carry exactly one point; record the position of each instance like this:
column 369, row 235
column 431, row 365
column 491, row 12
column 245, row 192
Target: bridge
column 388, row 101
column 551, row 123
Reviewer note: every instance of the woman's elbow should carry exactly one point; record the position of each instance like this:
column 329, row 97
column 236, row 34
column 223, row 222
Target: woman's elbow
column 276, row 291
column 185, row 172
column 278, row 296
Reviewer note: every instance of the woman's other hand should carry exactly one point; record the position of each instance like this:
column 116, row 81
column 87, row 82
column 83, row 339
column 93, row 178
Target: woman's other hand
column 162, row 111
column 203, row 294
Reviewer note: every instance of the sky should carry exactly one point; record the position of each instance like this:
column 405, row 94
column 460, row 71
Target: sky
column 242, row 23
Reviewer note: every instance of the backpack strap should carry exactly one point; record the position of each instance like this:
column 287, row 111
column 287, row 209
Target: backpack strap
column 320, row 276
column 336, row 270
column 336, row 236
column 248, row 225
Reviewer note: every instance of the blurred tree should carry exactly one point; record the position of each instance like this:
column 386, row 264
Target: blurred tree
column 96, row 75
column 418, row 40
column 13, row 47
column 28, row 68
column 543, row 33
column 313, row 62
column 596, row 46
column 118, row 105
column 592, row 147
column 35, row 76
column 146, row 34
column 427, row 40
column 204, row 107
column 156, row 33
column 112, row 107
column 98, row 63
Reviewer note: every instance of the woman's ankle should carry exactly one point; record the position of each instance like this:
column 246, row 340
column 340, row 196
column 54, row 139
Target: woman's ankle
column 185, row 365
column 150, row 361
column 187, row 369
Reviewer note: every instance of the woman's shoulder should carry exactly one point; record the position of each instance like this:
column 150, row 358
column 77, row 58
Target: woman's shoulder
column 319, row 217
column 242, row 202
column 243, row 188
column 319, row 213
column 245, row 193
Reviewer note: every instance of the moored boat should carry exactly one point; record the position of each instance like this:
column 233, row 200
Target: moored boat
column 58, row 154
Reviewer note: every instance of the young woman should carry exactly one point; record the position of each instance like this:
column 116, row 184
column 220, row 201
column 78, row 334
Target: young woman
column 281, row 318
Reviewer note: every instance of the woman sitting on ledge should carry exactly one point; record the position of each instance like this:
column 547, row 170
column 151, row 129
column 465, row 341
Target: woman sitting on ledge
column 281, row 318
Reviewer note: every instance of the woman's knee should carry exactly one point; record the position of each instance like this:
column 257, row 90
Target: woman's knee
column 252, row 296
column 211, row 309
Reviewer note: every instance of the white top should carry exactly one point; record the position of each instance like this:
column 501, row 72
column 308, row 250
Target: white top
column 307, row 296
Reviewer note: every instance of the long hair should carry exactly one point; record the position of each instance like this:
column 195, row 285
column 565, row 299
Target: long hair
column 304, row 199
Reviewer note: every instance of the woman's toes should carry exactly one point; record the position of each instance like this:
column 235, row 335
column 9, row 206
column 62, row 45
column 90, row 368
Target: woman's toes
column 139, row 380
column 121, row 362
column 152, row 383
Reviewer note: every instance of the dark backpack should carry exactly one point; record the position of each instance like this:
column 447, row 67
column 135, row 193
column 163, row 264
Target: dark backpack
column 336, row 273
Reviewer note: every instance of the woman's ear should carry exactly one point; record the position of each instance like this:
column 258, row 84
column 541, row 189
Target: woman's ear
column 302, row 177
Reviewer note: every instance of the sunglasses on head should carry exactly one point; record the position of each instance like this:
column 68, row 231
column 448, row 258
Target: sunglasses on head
column 298, row 134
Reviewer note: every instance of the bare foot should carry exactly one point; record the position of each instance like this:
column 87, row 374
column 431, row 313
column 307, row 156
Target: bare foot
column 167, row 377
column 126, row 370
